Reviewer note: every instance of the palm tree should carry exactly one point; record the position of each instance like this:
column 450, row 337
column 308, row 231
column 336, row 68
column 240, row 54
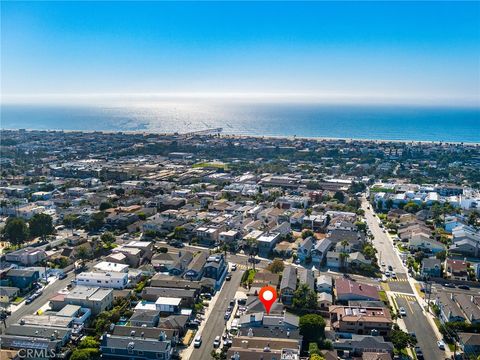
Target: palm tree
column 344, row 243
column 344, row 259
column 252, row 248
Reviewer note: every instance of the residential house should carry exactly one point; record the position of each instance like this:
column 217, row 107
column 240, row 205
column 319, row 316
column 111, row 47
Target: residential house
column 431, row 267
column 114, row 280
column 347, row 290
column 27, row 256
column 288, row 285
column 324, row 284
column 92, row 297
column 22, row 278
column 361, row 320
column 456, row 269
column 138, row 348
column 359, row 344
column 469, row 342
column 423, row 243
column 145, row 318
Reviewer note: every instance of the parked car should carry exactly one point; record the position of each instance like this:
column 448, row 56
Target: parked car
column 234, row 267
column 390, row 267
column 403, row 312
column 197, row 342
column 62, row 276
column 387, row 273
column 227, row 315
column 228, row 277
column 216, row 342
column 464, row 287
column 419, row 353
column 449, row 285
column 441, row 345
column 207, row 296
column 393, row 275
column 29, row 300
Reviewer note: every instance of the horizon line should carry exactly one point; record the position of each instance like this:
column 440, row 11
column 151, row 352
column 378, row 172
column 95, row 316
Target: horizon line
column 295, row 97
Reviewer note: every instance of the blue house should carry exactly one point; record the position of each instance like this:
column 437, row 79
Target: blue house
column 431, row 267
column 22, row 278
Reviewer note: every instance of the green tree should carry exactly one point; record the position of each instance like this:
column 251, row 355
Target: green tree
column 389, row 204
column 276, row 266
column 96, row 220
column 88, row 342
column 104, row 205
column 316, row 357
column 401, row 339
column 304, row 298
column 16, row 231
column 340, row 196
column 179, row 232
column 83, row 254
column 41, row 225
column 307, row 233
column 107, row 238
column 85, row 354
column 312, row 327
column 142, row 216
column 442, row 255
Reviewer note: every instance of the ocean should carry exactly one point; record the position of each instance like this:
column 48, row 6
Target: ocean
column 382, row 122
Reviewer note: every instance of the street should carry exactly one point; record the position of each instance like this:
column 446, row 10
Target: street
column 383, row 244
column 416, row 322
column 215, row 324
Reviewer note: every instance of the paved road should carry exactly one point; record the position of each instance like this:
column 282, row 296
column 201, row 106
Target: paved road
column 48, row 293
column 215, row 324
column 415, row 322
column 383, row 244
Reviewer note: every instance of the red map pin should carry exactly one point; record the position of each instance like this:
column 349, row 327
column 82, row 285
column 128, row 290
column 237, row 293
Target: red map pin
column 267, row 296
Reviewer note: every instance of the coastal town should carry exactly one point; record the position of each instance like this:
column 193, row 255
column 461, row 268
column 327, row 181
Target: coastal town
column 155, row 246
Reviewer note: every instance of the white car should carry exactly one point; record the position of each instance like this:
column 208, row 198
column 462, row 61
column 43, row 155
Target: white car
column 233, row 267
column 441, row 345
column 383, row 264
column 393, row 275
column 387, row 273
column 216, row 342
column 197, row 342
column 403, row 312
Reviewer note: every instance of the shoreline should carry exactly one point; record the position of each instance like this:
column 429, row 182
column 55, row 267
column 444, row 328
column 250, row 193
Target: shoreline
column 267, row 137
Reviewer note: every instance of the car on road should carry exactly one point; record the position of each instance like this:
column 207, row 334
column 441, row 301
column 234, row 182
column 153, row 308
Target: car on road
column 387, row 273
column 216, row 342
column 227, row 315
column 403, row 312
column 393, row 275
column 197, row 342
column 383, row 263
column 390, row 267
column 449, row 285
column 29, row 300
column 441, row 345
column 228, row 277
column 234, row 267
column 62, row 276
column 464, row 287
column 419, row 353
column 207, row 296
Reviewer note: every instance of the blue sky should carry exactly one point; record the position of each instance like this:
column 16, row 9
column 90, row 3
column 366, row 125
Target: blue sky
column 403, row 51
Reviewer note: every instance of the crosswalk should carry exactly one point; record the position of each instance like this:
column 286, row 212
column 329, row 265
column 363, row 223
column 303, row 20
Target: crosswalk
column 242, row 267
column 397, row 280
column 406, row 297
